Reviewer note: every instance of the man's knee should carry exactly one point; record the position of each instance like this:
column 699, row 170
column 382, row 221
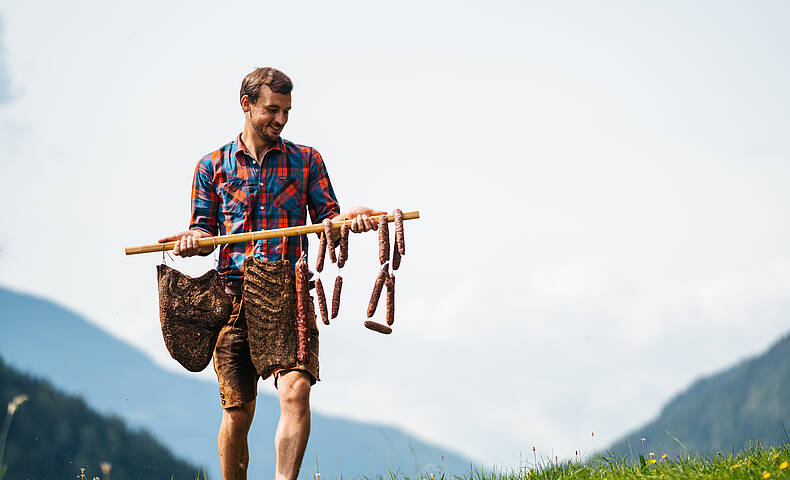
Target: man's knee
column 294, row 392
column 238, row 419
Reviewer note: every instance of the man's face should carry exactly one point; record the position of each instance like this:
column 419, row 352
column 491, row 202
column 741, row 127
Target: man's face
column 269, row 114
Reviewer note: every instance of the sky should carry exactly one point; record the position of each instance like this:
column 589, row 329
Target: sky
column 602, row 189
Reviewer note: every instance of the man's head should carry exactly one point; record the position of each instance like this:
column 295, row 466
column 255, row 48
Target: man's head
column 265, row 97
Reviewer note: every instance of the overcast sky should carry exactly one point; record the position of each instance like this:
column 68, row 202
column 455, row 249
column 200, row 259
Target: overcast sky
column 603, row 190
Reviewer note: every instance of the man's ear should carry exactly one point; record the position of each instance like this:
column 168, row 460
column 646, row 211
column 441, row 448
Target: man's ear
column 245, row 103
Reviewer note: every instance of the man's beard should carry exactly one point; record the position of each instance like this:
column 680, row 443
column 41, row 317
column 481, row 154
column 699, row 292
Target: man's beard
column 263, row 134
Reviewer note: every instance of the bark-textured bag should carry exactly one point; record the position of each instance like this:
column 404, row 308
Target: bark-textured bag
column 192, row 311
column 269, row 299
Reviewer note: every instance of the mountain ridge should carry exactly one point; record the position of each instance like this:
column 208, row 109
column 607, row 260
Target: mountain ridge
column 724, row 411
column 55, row 434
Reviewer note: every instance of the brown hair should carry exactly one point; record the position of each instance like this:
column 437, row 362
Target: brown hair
column 276, row 80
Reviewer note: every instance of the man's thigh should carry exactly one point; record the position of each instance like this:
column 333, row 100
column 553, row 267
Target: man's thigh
column 236, row 375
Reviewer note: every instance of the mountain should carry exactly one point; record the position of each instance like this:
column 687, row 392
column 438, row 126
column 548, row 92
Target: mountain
column 182, row 411
column 53, row 435
column 725, row 411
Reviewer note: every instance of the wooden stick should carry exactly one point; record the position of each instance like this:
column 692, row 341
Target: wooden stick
column 261, row 235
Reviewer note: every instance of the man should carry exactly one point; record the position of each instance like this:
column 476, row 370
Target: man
column 260, row 181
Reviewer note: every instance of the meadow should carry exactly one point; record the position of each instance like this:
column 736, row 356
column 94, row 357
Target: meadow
column 755, row 462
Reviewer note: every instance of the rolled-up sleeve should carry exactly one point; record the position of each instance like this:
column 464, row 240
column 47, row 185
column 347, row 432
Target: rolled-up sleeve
column 321, row 199
column 204, row 202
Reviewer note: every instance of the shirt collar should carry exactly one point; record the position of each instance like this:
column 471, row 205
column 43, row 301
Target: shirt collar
column 239, row 147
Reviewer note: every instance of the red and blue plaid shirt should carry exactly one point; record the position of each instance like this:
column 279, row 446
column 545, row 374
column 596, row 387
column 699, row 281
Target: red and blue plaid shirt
column 231, row 193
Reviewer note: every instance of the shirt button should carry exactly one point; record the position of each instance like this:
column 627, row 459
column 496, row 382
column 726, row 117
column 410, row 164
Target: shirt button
column 261, row 207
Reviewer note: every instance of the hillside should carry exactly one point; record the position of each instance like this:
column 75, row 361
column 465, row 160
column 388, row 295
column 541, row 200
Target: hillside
column 725, row 411
column 76, row 356
column 53, row 435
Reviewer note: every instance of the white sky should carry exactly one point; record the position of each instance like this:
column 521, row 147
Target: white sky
column 602, row 186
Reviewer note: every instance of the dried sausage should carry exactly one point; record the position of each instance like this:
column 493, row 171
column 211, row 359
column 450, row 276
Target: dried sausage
column 319, row 262
column 395, row 258
column 384, row 240
column 377, row 327
column 302, row 339
column 330, row 239
column 400, row 241
column 336, row 295
column 341, row 259
column 391, row 299
column 319, row 291
column 374, row 297
column 283, row 247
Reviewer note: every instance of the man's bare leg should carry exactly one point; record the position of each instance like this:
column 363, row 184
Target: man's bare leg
column 234, row 456
column 293, row 429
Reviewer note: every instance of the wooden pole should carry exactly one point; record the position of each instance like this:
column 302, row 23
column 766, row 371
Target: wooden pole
column 261, row 235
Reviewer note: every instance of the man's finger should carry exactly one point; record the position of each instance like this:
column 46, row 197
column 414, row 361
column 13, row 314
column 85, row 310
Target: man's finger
column 173, row 238
column 368, row 222
column 355, row 224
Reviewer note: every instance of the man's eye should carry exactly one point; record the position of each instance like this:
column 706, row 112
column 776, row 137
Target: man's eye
column 272, row 110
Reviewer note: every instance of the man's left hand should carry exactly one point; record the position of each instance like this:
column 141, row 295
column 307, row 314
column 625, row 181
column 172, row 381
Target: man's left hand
column 360, row 218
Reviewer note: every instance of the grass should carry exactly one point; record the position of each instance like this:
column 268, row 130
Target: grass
column 755, row 463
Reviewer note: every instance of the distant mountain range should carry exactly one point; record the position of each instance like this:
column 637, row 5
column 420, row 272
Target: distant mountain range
column 55, row 435
column 56, row 344
column 725, row 411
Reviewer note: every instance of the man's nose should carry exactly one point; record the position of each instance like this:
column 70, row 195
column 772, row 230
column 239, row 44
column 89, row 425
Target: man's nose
column 281, row 118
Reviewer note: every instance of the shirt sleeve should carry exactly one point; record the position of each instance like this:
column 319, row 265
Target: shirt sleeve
column 321, row 200
column 204, row 201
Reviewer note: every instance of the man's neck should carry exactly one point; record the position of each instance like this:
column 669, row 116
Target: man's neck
column 255, row 145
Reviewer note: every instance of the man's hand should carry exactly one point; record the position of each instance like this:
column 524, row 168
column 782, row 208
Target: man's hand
column 360, row 218
column 186, row 243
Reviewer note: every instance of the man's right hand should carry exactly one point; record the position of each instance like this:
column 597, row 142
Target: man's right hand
column 186, row 243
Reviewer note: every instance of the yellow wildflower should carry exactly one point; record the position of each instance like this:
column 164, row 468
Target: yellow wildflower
column 664, row 456
column 766, row 475
column 652, row 461
column 735, row 466
column 783, row 465
column 776, row 456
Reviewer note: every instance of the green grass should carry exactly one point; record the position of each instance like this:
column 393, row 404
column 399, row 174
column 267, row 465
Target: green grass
column 755, row 462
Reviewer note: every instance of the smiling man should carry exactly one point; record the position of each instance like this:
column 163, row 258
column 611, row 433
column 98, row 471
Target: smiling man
column 260, row 181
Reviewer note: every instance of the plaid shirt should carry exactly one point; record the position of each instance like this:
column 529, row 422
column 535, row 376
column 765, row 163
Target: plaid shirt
column 231, row 193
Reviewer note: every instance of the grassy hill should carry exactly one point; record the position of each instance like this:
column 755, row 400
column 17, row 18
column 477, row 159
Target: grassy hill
column 724, row 412
column 182, row 411
column 53, row 435
column 753, row 463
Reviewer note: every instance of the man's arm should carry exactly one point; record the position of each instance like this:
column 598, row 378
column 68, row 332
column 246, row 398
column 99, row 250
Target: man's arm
column 204, row 204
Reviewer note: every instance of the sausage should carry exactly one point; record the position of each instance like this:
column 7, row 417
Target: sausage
column 400, row 241
column 319, row 262
column 384, row 240
column 390, row 299
column 395, row 258
column 374, row 297
column 377, row 327
column 319, row 291
column 336, row 295
column 341, row 259
column 283, row 247
column 302, row 338
column 330, row 239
